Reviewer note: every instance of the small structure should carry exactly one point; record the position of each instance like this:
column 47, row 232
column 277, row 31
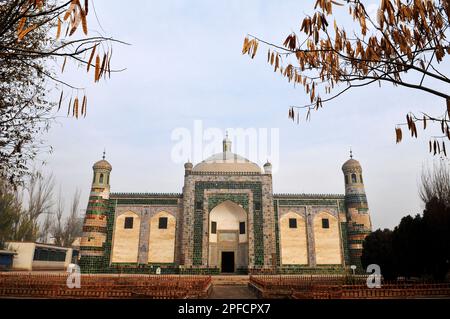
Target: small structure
column 37, row 256
column 6, row 259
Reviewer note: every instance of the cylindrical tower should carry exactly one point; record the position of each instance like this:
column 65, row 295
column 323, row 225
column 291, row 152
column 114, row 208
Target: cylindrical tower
column 95, row 220
column 358, row 217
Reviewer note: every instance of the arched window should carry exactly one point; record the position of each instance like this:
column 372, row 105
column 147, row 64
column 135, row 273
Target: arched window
column 93, row 179
column 353, row 178
column 346, row 179
column 101, row 179
column 107, row 179
column 360, row 178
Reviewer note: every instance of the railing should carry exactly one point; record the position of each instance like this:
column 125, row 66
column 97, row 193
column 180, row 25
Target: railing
column 37, row 285
column 342, row 287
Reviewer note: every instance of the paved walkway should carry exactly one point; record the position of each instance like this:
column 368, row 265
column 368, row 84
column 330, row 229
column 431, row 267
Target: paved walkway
column 231, row 292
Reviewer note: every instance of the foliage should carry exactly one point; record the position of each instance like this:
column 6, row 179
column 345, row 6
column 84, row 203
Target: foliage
column 418, row 246
column 405, row 46
column 377, row 249
column 9, row 209
column 64, row 232
column 27, row 46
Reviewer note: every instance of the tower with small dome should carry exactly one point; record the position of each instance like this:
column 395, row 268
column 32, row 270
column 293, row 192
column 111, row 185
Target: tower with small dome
column 92, row 244
column 359, row 224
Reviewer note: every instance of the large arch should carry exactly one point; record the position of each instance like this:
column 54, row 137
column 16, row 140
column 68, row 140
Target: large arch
column 327, row 239
column 293, row 240
column 228, row 234
column 126, row 238
column 161, row 247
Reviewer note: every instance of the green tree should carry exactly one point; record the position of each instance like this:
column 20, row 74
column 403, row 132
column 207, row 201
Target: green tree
column 408, row 244
column 9, row 210
column 436, row 219
column 377, row 249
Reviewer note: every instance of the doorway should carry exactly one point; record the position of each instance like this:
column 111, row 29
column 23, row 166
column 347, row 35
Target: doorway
column 227, row 261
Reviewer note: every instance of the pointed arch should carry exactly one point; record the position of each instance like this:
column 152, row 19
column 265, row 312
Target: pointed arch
column 293, row 240
column 161, row 248
column 126, row 238
column 327, row 239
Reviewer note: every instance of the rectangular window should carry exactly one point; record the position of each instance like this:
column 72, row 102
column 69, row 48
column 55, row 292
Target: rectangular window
column 242, row 228
column 325, row 223
column 292, row 223
column 213, row 228
column 198, row 205
column 162, row 223
column 257, row 206
column 128, row 223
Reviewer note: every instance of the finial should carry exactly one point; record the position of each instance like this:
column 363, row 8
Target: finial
column 226, row 134
column 104, row 153
column 351, row 153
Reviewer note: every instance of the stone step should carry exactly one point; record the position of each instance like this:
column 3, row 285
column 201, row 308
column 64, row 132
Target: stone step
column 234, row 280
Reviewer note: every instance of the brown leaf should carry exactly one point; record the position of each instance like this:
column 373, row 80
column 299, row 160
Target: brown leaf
column 75, row 107
column 97, row 68
column 84, row 106
column 58, row 31
column 83, row 21
column 21, row 25
column 91, row 57
column 64, row 65
column 26, row 31
column 60, row 100
column 70, row 10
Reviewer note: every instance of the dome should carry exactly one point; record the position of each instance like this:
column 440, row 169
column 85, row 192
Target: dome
column 227, row 162
column 103, row 164
column 351, row 163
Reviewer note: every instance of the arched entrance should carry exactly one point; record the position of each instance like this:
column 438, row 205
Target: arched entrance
column 228, row 237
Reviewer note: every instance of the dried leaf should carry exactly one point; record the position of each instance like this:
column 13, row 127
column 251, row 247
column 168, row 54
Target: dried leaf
column 75, row 107
column 21, row 25
column 91, row 57
column 58, row 31
column 26, row 31
column 64, row 65
column 84, row 106
column 60, row 100
column 97, row 68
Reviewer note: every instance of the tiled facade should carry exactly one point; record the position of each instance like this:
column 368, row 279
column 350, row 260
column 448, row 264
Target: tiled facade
column 332, row 226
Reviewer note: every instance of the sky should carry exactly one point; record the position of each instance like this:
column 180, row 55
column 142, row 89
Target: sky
column 184, row 64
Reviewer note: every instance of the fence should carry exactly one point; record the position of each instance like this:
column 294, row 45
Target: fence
column 36, row 285
column 342, row 287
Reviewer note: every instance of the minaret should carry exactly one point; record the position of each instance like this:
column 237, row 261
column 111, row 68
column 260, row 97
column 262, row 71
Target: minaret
column 226, row 144
column 95, row 220
column 358, row 217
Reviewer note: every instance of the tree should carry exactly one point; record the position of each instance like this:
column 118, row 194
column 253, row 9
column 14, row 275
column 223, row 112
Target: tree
column 436, row 183
column 409, row 246
column 377, row 249
column 66, row 231
column 27, row 48
column 404, row 46
column 436, row 220
column 9, row 209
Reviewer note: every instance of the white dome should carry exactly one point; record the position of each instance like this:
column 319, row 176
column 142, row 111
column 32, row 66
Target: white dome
column 227, row 162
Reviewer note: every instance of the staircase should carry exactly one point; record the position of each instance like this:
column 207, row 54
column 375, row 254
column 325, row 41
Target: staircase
column 231, row 287
column 230, row 280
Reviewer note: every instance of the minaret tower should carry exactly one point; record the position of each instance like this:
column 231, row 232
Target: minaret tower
column 358, row 217
column 226, row 144
column 95, row 221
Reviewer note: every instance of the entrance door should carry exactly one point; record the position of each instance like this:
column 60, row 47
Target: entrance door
column 227, row 261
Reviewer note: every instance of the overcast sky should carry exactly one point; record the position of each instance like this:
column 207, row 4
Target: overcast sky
column 185, row 64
